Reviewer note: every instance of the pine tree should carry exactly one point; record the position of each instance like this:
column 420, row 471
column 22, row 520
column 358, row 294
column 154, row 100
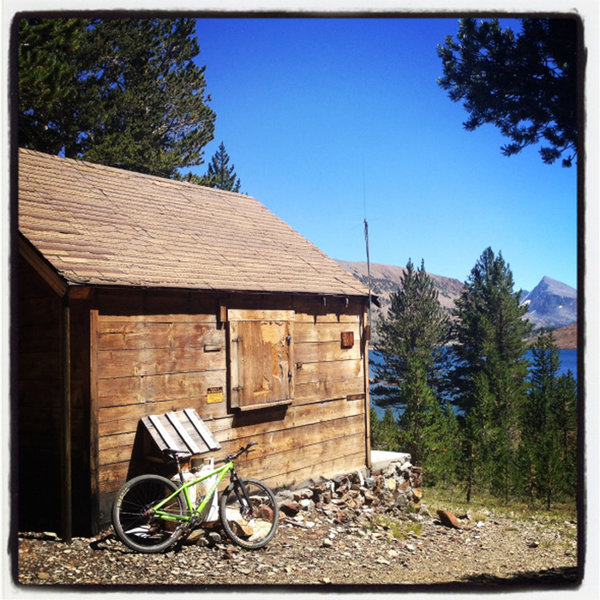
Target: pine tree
column 419, row 414
column 415, row 329
column 52, row 54
column 525, row 83
column 489, row 373
column 389, row 432
column 565, row 414
column 384, row 432
column 548, row 423
column 219, row 174
column 410, row 341
column 375, row 427
column 443, row 446
column 123, row 92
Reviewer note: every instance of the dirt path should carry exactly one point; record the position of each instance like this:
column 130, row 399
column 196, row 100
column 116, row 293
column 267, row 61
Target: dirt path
column 311, row 548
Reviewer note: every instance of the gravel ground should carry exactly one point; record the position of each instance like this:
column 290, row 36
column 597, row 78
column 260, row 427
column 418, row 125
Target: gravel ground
column 314, row 549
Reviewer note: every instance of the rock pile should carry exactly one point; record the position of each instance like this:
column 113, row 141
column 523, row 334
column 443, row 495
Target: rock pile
column 396, row 489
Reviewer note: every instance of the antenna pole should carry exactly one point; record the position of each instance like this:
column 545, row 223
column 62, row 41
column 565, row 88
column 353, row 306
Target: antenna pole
column 368, row 272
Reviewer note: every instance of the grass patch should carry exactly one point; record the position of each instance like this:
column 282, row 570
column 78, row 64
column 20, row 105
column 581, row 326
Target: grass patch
column 482, row 503
column 400, row 529
column 414, row 528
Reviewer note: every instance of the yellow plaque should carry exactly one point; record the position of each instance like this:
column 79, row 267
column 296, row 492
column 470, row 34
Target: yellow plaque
column 214, row 395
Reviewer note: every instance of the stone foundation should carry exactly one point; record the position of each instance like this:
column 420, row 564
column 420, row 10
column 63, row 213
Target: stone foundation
column 396, row 487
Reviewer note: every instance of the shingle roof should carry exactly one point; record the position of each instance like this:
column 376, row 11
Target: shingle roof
column 99, row 225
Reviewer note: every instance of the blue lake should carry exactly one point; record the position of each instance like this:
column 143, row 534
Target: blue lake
column 568, row 362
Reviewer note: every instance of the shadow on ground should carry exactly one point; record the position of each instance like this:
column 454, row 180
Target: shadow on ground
column 562, row 576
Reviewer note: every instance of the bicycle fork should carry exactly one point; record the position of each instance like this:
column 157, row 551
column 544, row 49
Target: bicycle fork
column 247, row 505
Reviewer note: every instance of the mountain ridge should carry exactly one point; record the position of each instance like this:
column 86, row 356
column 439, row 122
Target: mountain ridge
column 551, row 304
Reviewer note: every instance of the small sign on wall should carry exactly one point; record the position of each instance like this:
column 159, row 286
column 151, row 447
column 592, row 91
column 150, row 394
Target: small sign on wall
column 214, row 395
column 347, row 339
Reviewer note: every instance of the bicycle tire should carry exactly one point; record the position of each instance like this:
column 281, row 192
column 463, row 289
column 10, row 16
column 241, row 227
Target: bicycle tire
column 132, row 524
column 253, row 526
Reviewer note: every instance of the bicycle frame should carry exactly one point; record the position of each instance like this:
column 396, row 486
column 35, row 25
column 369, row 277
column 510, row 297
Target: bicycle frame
column 193, row 512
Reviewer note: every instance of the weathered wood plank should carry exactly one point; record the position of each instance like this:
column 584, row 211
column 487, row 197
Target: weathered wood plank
column 296, row 459
column 40, row 366
column 95, row 421
column 119, row 440
column 312, row 352
column 119, row 335
column 234, row 314
column 294, row 417
column 124, row 363
column 141, row 316
column 340, row 370
column 160, row 388
column 367, row 401
column 326, row 332
column 327, row 469
column 263, row 355
column 272, row 443
column 124, row 419
column 112, row 477
column 328, row 389
column 111, row 456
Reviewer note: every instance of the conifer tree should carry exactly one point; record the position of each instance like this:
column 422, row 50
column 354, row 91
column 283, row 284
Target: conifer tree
column 389, row 431
column 413, row 333
column 123, row 92
column 375, row 429
column 384, row 432
column 443, row 455
column 420, row 411
column 524, row 83
column 51, row 105
column 489, row 373
column 549, row 428
column 219, row 174
column 410, row 341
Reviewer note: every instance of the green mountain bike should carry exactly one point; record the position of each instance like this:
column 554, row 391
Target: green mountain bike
column 151, row 513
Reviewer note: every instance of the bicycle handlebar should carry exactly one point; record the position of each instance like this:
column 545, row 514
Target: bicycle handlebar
column 241, row 451
column 175, row 454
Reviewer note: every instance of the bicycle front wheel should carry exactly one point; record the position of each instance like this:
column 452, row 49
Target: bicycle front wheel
column 252, row 524
column 133, row 521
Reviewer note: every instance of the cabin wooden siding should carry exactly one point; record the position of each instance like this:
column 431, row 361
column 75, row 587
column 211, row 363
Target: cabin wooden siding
column 165, row 351
column 40, row 411
column 39, row 388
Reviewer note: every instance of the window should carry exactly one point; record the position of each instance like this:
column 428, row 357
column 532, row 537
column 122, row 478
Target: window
column 260, row 358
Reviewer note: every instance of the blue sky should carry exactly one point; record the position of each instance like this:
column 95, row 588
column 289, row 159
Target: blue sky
column 329, row 121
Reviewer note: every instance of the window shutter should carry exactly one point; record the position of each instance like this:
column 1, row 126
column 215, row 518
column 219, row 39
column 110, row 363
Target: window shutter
column 261, row 357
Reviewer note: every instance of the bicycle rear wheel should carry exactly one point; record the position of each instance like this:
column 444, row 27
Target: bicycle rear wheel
column 249, row 525
column 135, row 526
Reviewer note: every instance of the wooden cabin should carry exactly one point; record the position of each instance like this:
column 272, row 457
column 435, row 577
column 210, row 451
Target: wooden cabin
column 137, row 296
